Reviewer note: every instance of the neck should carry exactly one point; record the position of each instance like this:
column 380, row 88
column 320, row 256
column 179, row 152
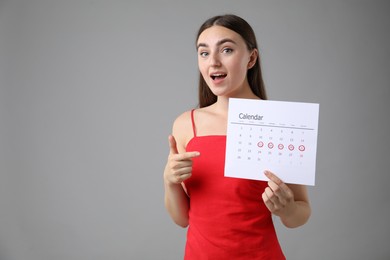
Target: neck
column 222, row 103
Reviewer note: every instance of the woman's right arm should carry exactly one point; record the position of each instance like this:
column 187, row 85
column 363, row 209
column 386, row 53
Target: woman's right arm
column 177, row 169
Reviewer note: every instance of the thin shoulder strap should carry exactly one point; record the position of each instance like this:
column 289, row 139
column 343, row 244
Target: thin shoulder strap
column 193, row 122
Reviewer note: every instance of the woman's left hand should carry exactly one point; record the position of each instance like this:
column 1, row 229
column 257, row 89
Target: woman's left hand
column 278, row 197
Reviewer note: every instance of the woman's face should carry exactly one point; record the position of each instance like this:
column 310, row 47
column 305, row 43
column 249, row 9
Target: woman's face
column 223, row 60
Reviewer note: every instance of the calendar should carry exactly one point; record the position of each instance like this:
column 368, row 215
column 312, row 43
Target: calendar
column 278, row 136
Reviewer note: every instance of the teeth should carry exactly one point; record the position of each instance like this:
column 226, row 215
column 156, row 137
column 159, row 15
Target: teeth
column 213, row 76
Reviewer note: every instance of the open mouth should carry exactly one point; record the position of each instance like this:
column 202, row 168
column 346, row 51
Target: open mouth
column 218, row 76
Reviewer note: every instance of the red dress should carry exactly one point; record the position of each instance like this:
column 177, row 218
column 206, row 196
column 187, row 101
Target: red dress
column 227, row 217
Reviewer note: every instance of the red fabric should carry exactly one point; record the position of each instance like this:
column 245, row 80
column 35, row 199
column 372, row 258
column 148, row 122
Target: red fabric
column 227, row 217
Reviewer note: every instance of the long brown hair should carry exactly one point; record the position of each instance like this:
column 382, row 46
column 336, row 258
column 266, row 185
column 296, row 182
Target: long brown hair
column 254, row 75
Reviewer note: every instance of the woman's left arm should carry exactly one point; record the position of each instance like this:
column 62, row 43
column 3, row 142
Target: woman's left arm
column 289, row 202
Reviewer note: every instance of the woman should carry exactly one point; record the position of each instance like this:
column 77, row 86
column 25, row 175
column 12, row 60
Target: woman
column 228, row 218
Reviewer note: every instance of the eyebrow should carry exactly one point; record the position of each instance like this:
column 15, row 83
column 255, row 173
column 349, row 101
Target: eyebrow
column 220, row 42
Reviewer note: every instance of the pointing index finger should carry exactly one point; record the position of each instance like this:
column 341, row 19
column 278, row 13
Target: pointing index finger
column 187, row 155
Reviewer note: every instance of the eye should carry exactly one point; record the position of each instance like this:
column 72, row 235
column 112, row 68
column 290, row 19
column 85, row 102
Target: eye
column 203, row 53
column 227, row 50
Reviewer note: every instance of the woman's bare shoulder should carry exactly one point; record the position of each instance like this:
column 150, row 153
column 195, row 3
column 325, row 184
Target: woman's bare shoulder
column 182, row 121
column 182, row 129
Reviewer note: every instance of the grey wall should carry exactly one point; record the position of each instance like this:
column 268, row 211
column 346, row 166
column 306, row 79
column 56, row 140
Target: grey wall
column 89, row 90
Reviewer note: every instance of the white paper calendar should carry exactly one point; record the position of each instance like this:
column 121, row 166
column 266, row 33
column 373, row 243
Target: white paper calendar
column 272, row 135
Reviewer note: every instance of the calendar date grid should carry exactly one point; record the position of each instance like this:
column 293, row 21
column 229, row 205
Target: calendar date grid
column 271, row 143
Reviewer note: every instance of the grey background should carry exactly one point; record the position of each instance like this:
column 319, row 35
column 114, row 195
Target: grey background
column 89, row 90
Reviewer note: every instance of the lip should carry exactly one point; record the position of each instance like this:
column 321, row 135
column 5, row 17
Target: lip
column 214, row 75
column 216, row 72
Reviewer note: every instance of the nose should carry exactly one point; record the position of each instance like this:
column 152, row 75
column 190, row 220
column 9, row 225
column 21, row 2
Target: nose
column 215, row 61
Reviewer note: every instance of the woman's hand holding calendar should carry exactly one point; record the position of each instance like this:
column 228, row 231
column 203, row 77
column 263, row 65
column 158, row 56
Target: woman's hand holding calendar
column 290, row 203
column 278, row 197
